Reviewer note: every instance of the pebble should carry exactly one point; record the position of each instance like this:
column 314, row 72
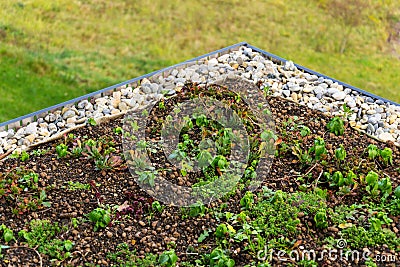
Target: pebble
column 386, row 137
column 339, row 95
column 286, row 93
column 50, row 117
column 31, row 128
column 69, row 114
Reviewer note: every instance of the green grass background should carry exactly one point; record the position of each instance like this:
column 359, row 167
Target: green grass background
column 52, row 51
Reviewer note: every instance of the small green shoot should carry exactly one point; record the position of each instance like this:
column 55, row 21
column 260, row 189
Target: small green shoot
column 336, row 126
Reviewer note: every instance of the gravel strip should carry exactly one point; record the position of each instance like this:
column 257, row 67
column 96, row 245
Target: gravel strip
column 373, row 116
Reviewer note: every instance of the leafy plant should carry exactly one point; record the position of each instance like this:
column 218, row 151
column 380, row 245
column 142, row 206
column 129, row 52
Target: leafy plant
column 318, row 148
column 372, row 182
column 346, row 111
column 39, row 152
column 147, row 177
column 385, row 186
column 126, row 257
column 218, row 258
column 373, row 151
column 24, row 156
column 303, row 156
column 397, row 192
column 100, row 217
column 336, row 126
column 62, row 150
column 168, row 258
column 161, row 104
column 77, row 149
column 247, row 200
column 135, row 206
column 156, row 206
column 197, row 209
column 337, row 179
column 20, row 187
column 91, row 121
column 340, row 153
column 118, row 130
column 77, row 186
column 386, row 155
column 320, row 219
column 42, row 237
column 8, row 234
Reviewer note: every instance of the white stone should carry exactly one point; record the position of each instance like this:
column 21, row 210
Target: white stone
column 123, row 106
column 31, row 128
column 386, row 137
column 308, row 89
column 392, row 118
column 339, row 95
column 213, row 62
column 3, row 134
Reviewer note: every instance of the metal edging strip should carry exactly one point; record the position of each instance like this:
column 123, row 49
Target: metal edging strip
column 24, row 120
column 324, row 76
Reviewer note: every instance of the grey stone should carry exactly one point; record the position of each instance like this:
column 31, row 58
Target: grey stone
column 10, row 134
column 146, row 88
column 351, row 104
column 332, row 91
column 174, row 72
column 286, row 93
column 60, row 124
column 312, row 78
column 196, row 77
column 154, row 88
column 294, row 87
column 69, row 114
column 318, row 90
column 82, row 104
column 289, row 65
column 369, row 100
column 372, row 120
column 324, row 85
column 52, row 128
column 223, row 58
column 50, row 117
column 370, row 128
column 260, row 66
column 181, row 73
column 180, row 80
